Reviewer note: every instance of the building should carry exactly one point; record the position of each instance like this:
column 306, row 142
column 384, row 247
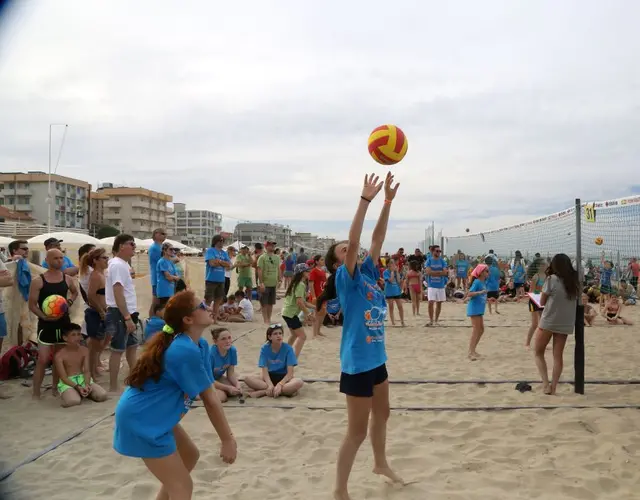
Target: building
column 194, row 228
column 7, row 216
column 324, row 244
column 28, row 194
column 307, row 241
column 259, row 232
column 133, row 210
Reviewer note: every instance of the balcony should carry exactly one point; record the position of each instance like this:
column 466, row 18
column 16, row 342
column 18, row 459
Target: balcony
column 140, row 204
column 23, row 207
column 23, row 192
column 111, row 204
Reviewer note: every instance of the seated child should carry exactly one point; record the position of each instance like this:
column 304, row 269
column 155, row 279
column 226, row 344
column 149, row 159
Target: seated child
column 230, row 312
column 224, row 359
column 230, row 306
column 334, row 313
column 155, row 323
column 611, row 310
column 627, row 293
column 277, row 359
column 72, row 364
column 244, row 306
column 590, row 312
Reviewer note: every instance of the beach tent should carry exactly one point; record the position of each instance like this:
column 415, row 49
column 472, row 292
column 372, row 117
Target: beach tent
column 108, row 243
column 4, row 240
column 237, row 245
column 175, row 244
column 190, row 251
column 66, row 237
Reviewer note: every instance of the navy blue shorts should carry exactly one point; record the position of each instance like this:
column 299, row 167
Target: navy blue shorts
column 95, row 324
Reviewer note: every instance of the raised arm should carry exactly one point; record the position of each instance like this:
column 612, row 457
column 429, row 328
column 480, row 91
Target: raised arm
column 380, row 230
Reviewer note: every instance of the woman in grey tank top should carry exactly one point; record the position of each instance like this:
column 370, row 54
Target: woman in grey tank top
column 559, row 299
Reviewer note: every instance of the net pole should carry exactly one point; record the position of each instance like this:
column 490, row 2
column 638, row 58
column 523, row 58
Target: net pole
column 578, row 358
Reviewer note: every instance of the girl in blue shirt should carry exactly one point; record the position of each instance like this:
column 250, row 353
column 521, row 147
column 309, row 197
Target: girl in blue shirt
column 224, row 359
column 477, row 297
column 172, row 371
column 364, row 377
column 393, row 290
column 276, row 362
column 166, row 274
column 519, row 272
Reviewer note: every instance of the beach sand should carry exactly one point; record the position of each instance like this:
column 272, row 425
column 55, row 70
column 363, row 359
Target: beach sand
column 584, row 454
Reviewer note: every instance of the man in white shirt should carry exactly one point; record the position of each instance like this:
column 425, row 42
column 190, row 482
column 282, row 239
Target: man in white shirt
column 122, row 308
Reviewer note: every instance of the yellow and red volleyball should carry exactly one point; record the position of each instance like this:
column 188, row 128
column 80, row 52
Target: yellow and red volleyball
column 387, row 144
column 599, row 241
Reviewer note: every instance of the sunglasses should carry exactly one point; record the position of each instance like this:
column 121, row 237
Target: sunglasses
column 104, row 257
column 26, row 249
column 275, row 325
column 202, row 306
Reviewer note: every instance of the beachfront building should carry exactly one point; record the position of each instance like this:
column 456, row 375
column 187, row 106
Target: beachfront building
column 259, row 232
column 194, row 228
column 27, row 194
column 133, row 210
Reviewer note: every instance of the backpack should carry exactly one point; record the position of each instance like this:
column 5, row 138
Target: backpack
column 17, row 361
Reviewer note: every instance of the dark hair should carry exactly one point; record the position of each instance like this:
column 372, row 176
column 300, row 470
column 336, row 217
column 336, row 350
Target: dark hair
column 151, row 361
column 270, row 330
column 215, row 332
column 316, row 258
column 534, row 267
column 231, row 297
column 85, row 249
column 258, row 246
column 15, row 245
column 120, row 240
column 216, row 239
column 329, row 292
column 158, row 306
column 562, row 267
column 414, row 265
column 89, row 259
column 297, row 278
column 239, row 293
column 70, row 327
column 301, row 250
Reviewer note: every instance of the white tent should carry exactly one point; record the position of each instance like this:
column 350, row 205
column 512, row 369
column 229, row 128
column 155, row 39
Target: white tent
column 190, row 251
column 237, row 245
column 5, row 240
column 108, row 243
column 66, row 237
column 175, row 244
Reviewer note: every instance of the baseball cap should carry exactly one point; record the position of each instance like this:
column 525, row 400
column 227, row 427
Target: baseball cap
column 270, row 243
column 310, row 262
column 51, row 241
column 302, row 268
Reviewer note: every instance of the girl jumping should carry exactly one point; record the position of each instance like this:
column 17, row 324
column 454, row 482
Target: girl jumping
column 477, row 296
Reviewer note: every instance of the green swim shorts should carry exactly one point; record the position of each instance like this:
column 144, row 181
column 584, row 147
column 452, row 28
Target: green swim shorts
column 78, row 379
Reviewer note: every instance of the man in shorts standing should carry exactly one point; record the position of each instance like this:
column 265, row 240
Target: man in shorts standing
column 216, row 261
column 122, row 308
column 436, row 271
column 244, row 265
column 269, row 276
column 52, row 282
column 155, row 253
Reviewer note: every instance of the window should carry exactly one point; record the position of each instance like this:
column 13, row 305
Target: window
column 11, row 200
column 12, row 185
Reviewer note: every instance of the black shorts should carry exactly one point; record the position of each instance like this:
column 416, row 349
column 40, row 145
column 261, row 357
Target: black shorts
column 276, row 377
column 518, row 285
column 227, row 285
column 361, row 384
column 95, row 324
column 634, row 282
column 268, row 296
column 493, row 295
column 605, row 289
column 50, row 332
column 395, row 297
column 293, row 323
column 533, row 307
column 162, row 301
column 213, row 290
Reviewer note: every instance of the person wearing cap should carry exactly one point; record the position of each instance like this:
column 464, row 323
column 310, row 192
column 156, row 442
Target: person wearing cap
column 68, row 267
column 477, row 297
column 155, row 254
column 269, row 275
column 217, row 260
column 294, row 304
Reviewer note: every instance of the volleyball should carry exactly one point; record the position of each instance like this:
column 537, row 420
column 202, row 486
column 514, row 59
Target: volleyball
column 467, row 230
column 55, row 306
column 599, row 241
column 387, row 144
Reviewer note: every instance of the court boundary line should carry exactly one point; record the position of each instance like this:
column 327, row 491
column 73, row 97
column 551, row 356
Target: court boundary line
column 478, row 381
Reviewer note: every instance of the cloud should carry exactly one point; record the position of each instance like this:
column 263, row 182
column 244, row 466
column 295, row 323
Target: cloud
column 261, row 111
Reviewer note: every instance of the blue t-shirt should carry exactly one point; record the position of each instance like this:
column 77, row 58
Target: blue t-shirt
column 519, row 273
column 392, row 288
column 462, row 268
column 290, row 263
column 333, row 306
column 477, row 303
column 364, row 310
column 277, row 362
column 220, row 364
column 154, row 325
column 605, row 276
column 436, row 265
column 215, row 274
column 155, row 253
column 66, row 263
column 493, row 280
column 145, row 417
column 165, row 288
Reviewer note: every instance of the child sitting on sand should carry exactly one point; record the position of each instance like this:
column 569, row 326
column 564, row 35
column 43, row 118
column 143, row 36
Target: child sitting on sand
column 590, row 312
column 611, row 311
column 276, row 361
column 230, row 312
column 72, row 364
column 155, row 323
column 244, row 305
column 224, row 359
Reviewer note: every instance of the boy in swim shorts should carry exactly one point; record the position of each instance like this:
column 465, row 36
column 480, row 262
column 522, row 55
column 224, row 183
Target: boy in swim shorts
column 72, row 363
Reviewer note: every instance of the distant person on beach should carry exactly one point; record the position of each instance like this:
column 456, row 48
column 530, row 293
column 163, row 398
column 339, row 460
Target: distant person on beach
column 244, row 305
column 173, row 370
column 155, row 254
column 462, row 271
column 436, row 272
column 166, row 273
column 258, row 251
column 414, row 283
column 393, row 282
column 363, row 378
column 611, row 312
column 606, row 274
column 295, row 303
column 558, row 297
column 276, row 362
column 231, row 252
column 224, row 359
column 289, row 266
column 519, row 271
column 245, row 271
column 537, row 283
column 590, row 313
column 217, row 260
column 94, row 264
column 477, row 297
column 317, row 282
column 74, row 370
column 493, row 284
column 155, row 323
column 301, row 257
column 268, row 266
column 634, row 270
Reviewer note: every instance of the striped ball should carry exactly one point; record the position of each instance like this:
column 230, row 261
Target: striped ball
column 387, row 144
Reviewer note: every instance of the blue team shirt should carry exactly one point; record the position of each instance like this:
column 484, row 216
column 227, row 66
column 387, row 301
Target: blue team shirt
column 493, row 280
column 518, row 273
column 164, row 287
column 436, row 265
column 155, row 254
column 605, row 276
column 154, row 325
column 220, row 364
column 215, row 274
column 477, row 303
column 364, row 310
column 145, row 418
column 333, row 306
column 66, row 263
column 392, row 289
column 290, row 263
column 277, row 362
column 462, row 268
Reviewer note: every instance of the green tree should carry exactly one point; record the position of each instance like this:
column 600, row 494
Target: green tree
column 107, row 232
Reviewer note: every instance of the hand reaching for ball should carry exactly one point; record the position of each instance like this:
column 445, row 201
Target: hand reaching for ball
column 371, row 186
column 390, row 190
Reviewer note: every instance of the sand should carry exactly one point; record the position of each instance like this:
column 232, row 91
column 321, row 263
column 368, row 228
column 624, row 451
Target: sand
column 590, row 453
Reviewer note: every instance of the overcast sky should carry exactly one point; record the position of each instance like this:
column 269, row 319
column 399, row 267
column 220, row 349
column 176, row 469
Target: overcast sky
column 261, row 110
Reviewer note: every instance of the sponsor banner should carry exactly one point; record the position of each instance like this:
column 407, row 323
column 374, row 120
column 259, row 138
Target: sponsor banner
column 619, row 202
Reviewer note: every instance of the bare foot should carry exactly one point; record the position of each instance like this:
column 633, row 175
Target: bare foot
column 256, row 394
column 36, row 397
column 341, row 495
column 403, row 325
column 388, row 473
column 546, row 389
column 55, row 393
column 472, row 356
column 319, row 334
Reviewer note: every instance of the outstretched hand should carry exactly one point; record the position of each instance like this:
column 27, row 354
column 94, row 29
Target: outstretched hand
column 371, row 186
column 389, row 189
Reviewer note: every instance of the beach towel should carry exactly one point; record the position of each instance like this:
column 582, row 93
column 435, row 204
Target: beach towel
column 23, row 275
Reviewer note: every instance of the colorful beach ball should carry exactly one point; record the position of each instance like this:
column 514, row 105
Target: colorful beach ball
column 55, row 306
column 599, row 241
column 387, row 144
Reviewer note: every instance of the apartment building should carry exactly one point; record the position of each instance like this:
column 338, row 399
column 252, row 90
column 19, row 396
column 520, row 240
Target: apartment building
column 28, row 194
column 194, row 228
column 254, row 232
column 133, row 210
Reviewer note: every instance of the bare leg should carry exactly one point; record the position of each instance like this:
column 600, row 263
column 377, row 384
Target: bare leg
column 477, row 323
column 114, row 370
column 318, row 321
column 300, row 338
column 378, row 431
column 97, row 394
column 559, row 342
column 257, row 385
column 400, row 310
column 542, row 340
column 292, row 387
column 438, row 310
column 391, row 315
column 431, row 312
column 222, row 396
column 44, row 353
column 95, row 348
column 535, row 317
column 69, row 398
column 269, row 311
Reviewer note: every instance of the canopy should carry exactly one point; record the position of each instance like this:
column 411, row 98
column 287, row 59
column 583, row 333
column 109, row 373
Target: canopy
column 4, row 240
column 237, row 245
column 108, row 243
column 66, row 237
column 174, row 244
